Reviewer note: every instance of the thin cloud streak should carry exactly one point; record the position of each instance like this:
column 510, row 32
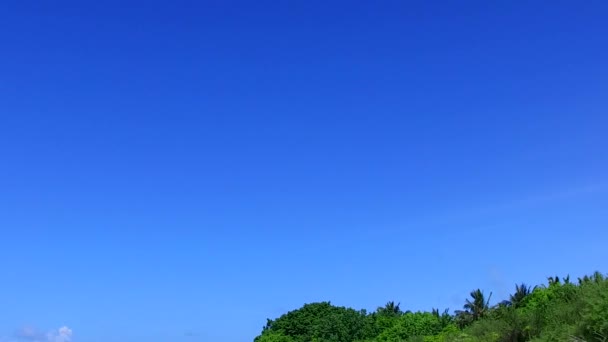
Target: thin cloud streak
column 63, row 334
column 523, row 203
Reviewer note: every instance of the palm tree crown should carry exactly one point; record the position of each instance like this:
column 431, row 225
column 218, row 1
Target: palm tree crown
column 521, row 292
column 478, row 306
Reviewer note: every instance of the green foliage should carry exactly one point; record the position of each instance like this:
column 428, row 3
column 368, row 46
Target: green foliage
column 321, row 321
column 477, row 307
column 390, row 309
column 521, row 292
column 594, row 322
column 411, row 324
column 448, row 333
column 558, row 311
column 273, row 337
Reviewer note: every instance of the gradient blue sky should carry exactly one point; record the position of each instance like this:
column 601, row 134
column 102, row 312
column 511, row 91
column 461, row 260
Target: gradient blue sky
column 183, row 170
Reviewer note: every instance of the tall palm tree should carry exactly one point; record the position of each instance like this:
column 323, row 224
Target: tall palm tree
column 478, row 306
column 521, row 292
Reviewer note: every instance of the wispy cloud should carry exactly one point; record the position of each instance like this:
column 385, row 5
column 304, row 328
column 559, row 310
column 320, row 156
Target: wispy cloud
column 525, row 202
column 29, row 333
column 555, row 196
column 63, row 334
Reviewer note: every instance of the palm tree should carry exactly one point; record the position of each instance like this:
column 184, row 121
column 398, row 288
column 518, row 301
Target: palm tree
column 521, row 292
column 553, row 280
column 584, row 280
column 444, row 318
column 478, row 307
column 597, row 277
column 390, row 308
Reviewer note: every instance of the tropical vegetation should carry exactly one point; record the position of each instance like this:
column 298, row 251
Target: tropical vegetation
column 560, row 310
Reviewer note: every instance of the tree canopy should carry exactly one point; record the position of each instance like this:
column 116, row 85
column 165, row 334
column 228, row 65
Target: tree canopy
column 557, row 311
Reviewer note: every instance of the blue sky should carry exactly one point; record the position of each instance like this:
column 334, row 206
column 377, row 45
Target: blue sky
column 183, row 170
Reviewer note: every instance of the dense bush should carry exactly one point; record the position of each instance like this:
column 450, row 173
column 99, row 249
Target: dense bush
column 558, row 311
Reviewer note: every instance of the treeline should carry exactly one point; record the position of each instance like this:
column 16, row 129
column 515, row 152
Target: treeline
column 561, row 310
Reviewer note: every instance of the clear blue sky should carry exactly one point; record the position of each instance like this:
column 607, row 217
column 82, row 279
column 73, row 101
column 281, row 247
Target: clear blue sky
column 183, row 170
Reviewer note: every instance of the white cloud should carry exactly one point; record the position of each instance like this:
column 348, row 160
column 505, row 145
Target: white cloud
column 63, row 334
